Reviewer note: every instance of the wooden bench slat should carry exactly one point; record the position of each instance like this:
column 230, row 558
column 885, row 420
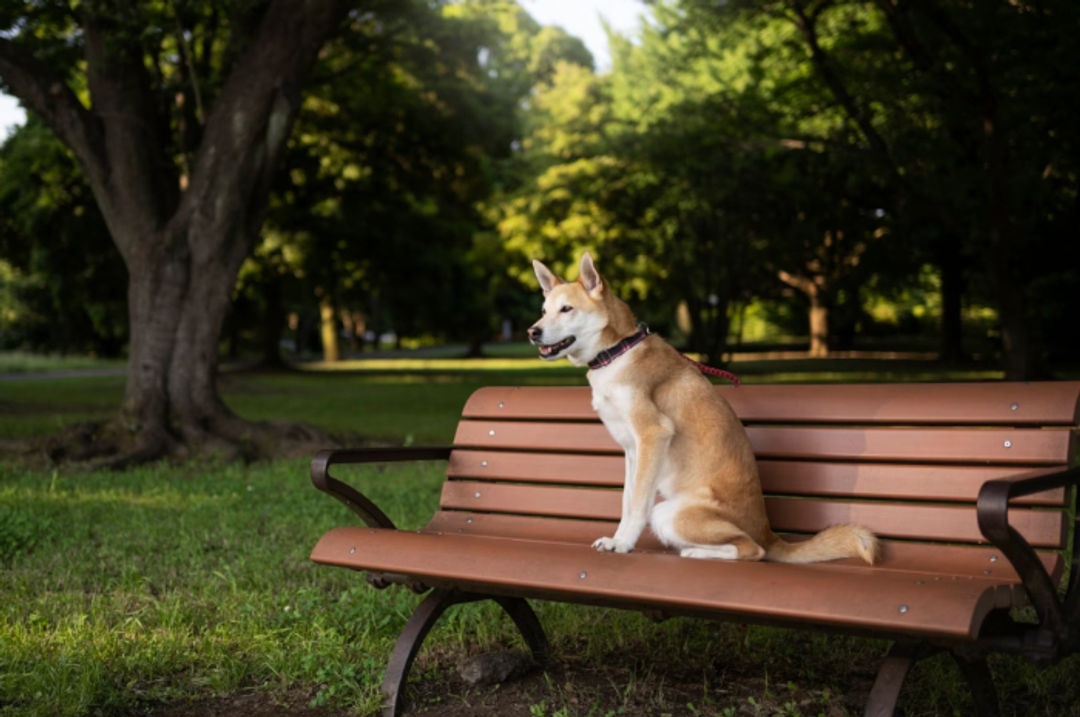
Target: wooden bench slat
column 891, row 481
column 830, row 594
column 980, row 403
column 912, row 521
column 865, row 480
column 1011, row 446
column 917, row 521
column 896, row 555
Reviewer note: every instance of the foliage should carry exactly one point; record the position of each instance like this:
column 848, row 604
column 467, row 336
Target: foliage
column 809, row 155
column 741, row 150
column 61, row 279
column 391, row 155
column 950, row 108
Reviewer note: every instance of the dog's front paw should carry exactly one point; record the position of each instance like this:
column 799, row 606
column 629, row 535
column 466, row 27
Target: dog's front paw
column 611, row 545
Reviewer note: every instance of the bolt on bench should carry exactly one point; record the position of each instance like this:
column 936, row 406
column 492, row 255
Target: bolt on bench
column 970, row 486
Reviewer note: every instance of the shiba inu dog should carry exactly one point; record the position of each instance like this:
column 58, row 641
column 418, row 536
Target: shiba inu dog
column 682, row 440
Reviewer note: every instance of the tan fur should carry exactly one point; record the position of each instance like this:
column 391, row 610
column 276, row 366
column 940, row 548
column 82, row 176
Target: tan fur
column 682, row 440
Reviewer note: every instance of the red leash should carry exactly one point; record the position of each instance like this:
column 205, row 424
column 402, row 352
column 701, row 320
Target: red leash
column 714, row 371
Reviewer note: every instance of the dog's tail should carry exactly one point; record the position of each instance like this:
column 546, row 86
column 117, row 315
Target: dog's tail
column 837, row 541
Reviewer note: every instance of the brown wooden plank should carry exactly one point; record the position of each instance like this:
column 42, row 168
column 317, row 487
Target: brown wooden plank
column 891, row 481
column 936, row 558
column 813, row 478
column 531, row 435
column 823, row 593
column 1012, row 446
column 588, row 503
column 578, row 468
column 914, row 521
column 981, row 403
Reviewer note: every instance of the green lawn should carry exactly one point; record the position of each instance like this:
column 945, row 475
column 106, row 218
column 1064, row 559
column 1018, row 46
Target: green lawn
column 120, row 592
column 25, row 362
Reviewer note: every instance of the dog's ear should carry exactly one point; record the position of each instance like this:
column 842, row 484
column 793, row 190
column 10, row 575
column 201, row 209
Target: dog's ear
column 545, row 276
column 590, row 277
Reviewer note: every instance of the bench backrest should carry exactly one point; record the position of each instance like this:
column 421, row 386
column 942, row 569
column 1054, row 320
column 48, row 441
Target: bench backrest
column 904, row 460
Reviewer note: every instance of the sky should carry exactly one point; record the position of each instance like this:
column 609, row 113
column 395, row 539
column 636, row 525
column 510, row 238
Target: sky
column 10, row 114
column 578, row 17
column 582, row 19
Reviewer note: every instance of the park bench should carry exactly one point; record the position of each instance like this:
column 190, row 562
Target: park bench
column 971, row 486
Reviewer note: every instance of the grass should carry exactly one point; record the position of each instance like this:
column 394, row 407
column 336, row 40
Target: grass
column 130, row 589
column 27, row 362
column 120, row 592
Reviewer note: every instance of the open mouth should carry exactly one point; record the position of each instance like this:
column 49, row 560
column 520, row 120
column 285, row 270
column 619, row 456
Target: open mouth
column 551, row 351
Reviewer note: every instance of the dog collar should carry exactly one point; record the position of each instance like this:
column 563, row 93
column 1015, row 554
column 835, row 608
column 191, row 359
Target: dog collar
column 606, row 356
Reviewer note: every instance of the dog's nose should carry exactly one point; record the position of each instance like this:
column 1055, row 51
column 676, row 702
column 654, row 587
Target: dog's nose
column 535, row 332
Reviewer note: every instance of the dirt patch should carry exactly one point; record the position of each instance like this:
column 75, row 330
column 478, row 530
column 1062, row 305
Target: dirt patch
column 559, row 691
column 632, row 687
column 245, row 704
column 636, row 690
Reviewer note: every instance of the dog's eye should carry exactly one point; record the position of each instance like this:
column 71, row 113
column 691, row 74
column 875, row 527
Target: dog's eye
column 566, row 308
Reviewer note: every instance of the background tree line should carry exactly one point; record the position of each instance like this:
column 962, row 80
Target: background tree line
column 802, row 161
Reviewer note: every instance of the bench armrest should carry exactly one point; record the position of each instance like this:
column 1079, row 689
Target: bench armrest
column 993, row 515
column 370, row 513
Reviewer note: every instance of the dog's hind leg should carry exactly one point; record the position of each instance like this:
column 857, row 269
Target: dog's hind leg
column 698, row 530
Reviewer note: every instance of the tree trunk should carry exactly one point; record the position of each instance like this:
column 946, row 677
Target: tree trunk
column 359, row 328
column 273, row 322
column 718, row 331
column 1019, row 353
column 328, row 330
column 695, row 339
column 177, row 306
column 198, row 412
column 819, row 326
column 815, row 290
column 952, row 293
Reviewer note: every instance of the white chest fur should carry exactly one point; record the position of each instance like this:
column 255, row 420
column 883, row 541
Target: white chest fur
column 612, row 400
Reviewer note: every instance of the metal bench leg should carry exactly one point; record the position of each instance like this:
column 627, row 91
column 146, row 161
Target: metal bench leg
column 408, row 644
column 420, row 623
column 980, row 682
column 890, row 678
column 528, row 624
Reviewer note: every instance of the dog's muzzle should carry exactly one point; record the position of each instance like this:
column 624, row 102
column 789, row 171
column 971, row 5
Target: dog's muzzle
column 549, row 351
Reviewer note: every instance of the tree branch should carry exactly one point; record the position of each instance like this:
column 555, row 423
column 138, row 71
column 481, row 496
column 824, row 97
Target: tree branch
column 141, row 176
column 248, row 126
column 805, row 285
column 46, row 93
column 807, row 25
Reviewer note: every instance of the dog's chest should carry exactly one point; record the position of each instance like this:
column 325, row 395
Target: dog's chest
column 612, row 402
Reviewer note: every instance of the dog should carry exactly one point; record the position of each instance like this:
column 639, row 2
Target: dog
column 682, row 440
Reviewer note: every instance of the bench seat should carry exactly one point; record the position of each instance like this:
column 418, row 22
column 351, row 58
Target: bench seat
column 842, row 594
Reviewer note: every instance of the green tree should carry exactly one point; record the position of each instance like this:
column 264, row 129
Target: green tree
column 389, row 164
column 177, row 114
column 960, row 106
column 768, row 187
column 62, row 268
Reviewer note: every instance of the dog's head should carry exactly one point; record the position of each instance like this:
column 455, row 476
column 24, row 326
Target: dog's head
column 575, row 315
